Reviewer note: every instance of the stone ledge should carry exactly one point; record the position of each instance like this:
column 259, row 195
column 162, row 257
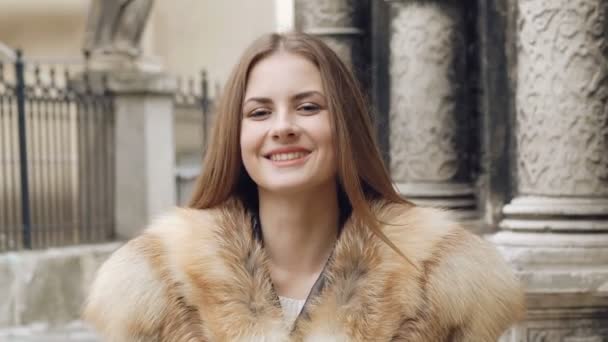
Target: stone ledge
column 48, row 286
column 41, row 332
column 558, row 270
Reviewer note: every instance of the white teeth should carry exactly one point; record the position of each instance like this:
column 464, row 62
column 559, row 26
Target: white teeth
column 287, row 156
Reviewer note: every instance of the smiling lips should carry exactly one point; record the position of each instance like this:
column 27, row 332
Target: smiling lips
column 288, row 156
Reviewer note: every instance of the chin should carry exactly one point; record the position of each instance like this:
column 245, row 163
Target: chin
column 291, row 186
column 285, row 187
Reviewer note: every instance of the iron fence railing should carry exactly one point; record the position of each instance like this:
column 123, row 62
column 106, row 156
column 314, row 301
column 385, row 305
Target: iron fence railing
column 192, row 108
column 192, row 118
column 56, row 157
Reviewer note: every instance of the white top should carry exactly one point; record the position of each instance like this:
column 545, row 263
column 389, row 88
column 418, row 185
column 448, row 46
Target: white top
column 291, row 309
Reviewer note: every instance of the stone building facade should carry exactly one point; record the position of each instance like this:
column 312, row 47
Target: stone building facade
column 497, row 110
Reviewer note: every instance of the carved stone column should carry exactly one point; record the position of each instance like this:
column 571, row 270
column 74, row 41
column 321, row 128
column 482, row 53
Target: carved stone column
column 555, row 230
column 430, row 122
column 342, row 24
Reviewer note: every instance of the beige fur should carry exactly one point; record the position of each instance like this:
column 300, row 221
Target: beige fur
column 198, row 275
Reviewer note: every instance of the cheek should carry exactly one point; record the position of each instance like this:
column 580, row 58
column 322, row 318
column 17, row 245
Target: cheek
column 323, row 135
column 250, row 142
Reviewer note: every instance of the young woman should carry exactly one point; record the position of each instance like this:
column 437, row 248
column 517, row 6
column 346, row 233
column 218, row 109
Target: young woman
column 295, row 232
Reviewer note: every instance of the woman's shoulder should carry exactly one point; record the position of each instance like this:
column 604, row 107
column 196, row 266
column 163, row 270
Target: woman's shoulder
column 432, row 239
column 462, row 272
column 130, row 286
column 163, row 237
column 428, row 234
column 420, row 232
column 181, row 224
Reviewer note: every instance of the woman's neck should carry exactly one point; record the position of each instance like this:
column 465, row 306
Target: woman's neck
column 299, row 233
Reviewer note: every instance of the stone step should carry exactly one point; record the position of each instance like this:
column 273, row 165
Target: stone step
column 76, row 331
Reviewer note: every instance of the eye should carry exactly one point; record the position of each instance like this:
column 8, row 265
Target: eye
column 259, row 113
column 309, row 108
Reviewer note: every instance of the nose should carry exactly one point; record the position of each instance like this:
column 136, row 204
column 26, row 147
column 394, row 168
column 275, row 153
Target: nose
column 284, row 128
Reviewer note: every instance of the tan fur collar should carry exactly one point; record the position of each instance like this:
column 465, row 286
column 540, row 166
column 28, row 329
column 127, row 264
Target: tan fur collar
column 360, row 285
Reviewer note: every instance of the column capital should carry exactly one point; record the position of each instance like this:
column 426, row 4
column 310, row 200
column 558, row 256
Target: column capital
column 142, row 83
column 126, row 82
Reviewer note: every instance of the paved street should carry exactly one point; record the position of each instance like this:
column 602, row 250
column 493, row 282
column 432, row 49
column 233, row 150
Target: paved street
column 73, row 332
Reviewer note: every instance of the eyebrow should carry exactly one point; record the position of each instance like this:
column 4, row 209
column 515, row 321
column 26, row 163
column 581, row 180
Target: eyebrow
column 299, row 96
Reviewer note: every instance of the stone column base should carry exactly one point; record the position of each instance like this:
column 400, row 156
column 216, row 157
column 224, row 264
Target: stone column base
column 566, row 280
column 564, row 325
column 457, row 197
column 538, row 213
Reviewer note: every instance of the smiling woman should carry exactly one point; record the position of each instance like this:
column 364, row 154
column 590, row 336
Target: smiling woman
column 295, row 231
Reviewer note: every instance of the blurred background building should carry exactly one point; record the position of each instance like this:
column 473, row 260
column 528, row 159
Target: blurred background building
column 185, row 36
column 494, row 109
column 42, row 290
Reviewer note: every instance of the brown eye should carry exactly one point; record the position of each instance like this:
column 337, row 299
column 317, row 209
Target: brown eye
column 309, row 108
column 259, row 113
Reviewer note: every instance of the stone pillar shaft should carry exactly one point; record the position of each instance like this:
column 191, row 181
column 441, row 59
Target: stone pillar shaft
column 561, row 97
column 342, row 24
column 561, row 117
column 555, row 230
column 429, row 118
column 145, row 148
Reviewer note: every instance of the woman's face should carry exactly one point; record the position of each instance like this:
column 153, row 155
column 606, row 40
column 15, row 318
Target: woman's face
column 286, row 136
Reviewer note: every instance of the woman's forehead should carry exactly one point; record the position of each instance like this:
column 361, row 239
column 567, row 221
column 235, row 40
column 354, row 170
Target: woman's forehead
column 283, row 73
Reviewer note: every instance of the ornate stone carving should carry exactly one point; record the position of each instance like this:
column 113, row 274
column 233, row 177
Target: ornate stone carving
column 116, row 26
column 428, row 115
column 562, row 97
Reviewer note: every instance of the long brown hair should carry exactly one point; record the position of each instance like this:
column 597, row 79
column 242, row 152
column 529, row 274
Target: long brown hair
column 362, row 174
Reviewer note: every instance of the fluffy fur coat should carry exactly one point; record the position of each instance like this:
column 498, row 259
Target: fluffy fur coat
column 199, row 275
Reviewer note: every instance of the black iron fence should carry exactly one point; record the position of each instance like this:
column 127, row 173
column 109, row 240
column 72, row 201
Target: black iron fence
column 56, row 157
column 192, row 108
column 192, row 118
